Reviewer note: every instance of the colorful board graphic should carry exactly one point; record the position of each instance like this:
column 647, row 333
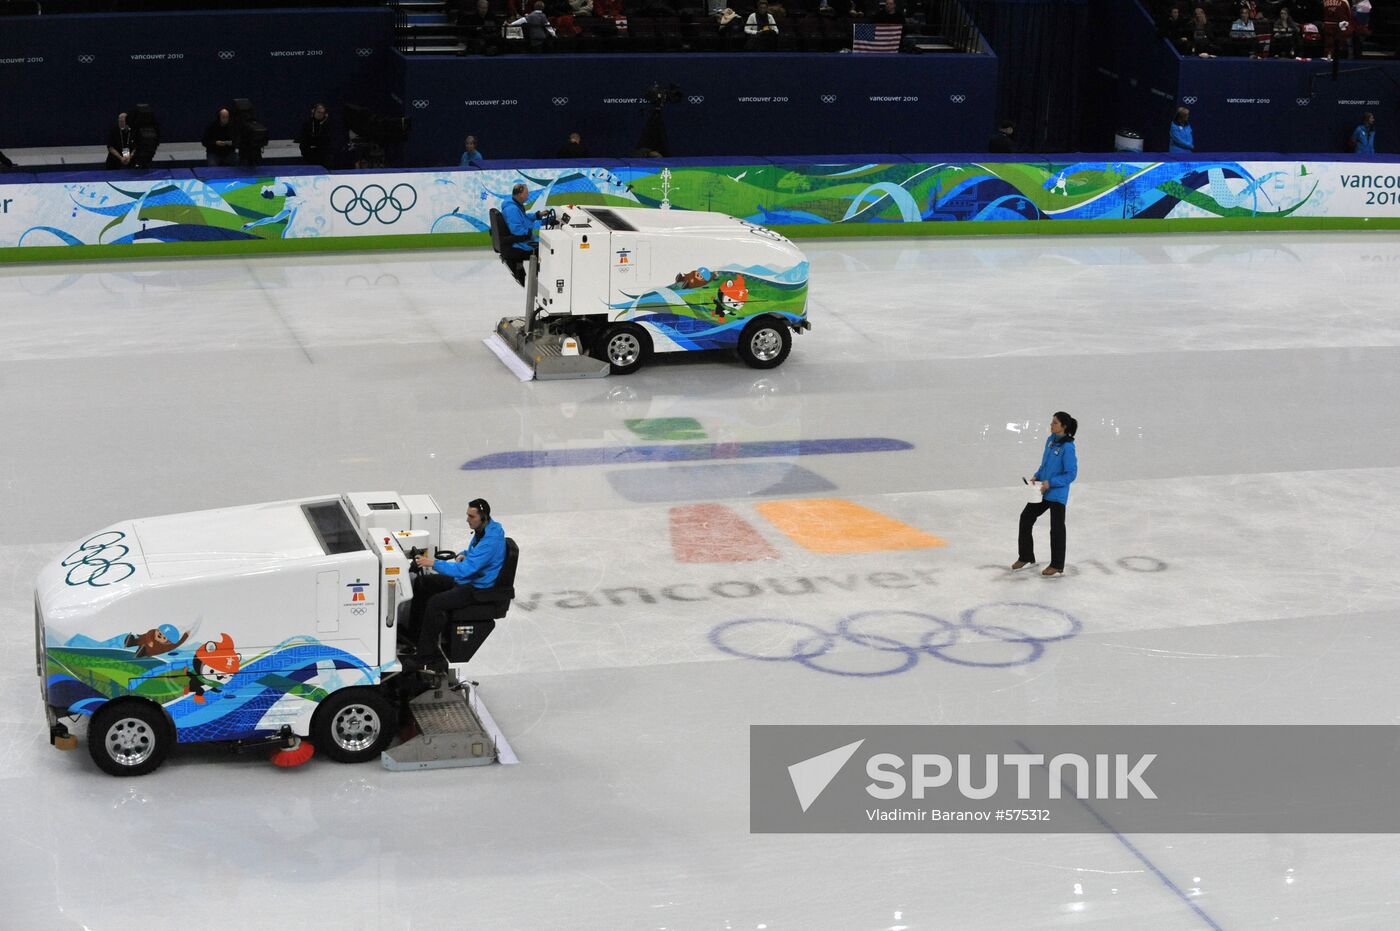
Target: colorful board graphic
column 183, row 210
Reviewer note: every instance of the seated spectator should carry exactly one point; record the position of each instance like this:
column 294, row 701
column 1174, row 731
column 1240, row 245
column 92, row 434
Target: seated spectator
column 120, row 144
column 471, row 155
column 729, row 23
column 888, row 12
column 581, row 7
column 574, row 148
column 1001, row 141
column 472, row 17
column 219, row 147
column 1287, row 35
column 1202, row 35
column 481, row 29
column 761, row 27
column 1242, row 41
column 1175, row 28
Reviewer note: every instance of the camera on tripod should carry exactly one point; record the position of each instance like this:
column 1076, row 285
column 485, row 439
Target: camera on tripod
column 658, row 95
column 145, row 132
column 249, row 135
column 372, row 133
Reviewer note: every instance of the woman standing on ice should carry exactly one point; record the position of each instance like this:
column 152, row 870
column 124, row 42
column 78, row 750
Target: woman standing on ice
column 1059, row 465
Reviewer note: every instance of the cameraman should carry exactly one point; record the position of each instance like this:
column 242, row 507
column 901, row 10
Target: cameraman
column 219, row 145
column 121, row 144
column 315, row 138
column 523, row 225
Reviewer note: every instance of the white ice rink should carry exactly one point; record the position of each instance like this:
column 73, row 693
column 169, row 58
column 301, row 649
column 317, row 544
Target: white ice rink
column 1233, row 544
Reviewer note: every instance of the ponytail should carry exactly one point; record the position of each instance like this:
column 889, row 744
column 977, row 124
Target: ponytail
column 1069, row 423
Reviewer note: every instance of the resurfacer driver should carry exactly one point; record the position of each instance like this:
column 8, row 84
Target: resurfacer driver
column 455, row 582
column 525, row 227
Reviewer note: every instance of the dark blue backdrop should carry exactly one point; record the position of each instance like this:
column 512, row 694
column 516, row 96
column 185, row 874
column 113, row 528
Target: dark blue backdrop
column 63, row 79
column 1287, row 106
column 777, row 104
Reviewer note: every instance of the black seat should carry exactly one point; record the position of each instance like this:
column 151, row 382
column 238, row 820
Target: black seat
column 503, row 242
column 468, row 627
column 501, row 236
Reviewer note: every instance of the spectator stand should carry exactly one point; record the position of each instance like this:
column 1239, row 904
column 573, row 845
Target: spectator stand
column 434, row 27
column 1369, row 30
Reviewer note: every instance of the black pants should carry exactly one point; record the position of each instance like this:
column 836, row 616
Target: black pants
column 515, row 261
column 1026, row 545
column 434, row 597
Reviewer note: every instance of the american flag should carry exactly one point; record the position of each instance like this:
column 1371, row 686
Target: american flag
column 875, row 37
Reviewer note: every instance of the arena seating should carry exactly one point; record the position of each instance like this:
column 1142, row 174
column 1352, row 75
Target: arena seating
column 52, row 7
column 436, row 27
column 1373, row 33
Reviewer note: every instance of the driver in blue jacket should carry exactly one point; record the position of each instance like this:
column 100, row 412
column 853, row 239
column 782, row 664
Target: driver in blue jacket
column 523, row 224
column 455, row 582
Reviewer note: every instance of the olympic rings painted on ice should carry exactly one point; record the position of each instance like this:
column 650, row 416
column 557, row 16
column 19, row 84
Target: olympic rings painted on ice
column 97, row 559
column 997, row 635
column 373, row 202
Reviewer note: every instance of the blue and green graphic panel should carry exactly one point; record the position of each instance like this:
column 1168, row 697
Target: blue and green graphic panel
column 189, row 214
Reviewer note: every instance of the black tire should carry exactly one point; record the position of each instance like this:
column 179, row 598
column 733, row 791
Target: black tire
column 624, row 346
column 354, row 725
column 129, row 738
column 765, row 343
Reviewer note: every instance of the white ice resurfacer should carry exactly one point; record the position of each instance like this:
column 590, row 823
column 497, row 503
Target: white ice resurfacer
column 262, row 626
column 609, row 286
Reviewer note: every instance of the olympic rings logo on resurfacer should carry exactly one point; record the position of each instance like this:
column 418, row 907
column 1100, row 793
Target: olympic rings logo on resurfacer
column 996, row 635
column 97, row 562
column 373, row 202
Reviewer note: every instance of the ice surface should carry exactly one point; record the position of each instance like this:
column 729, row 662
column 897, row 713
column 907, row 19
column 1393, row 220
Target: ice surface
column 1232, row 537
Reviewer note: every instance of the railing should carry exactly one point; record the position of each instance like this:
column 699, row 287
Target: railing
column 405, row 40
column 948, row 19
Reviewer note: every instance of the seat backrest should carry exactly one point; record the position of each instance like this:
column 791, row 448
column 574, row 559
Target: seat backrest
column 506, row 578
column 499, row 230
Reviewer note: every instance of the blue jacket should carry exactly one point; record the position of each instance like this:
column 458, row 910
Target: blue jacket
column 480, row 563
column 1183, row 140
column 1363, row 140
column 471, row 159
column 521, row 224
column 1059, row 465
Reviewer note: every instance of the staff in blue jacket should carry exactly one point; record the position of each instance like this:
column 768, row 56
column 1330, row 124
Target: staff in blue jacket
column 1059, row 465
column 1363, row 138
column 456, row 582
column 1182, row 139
